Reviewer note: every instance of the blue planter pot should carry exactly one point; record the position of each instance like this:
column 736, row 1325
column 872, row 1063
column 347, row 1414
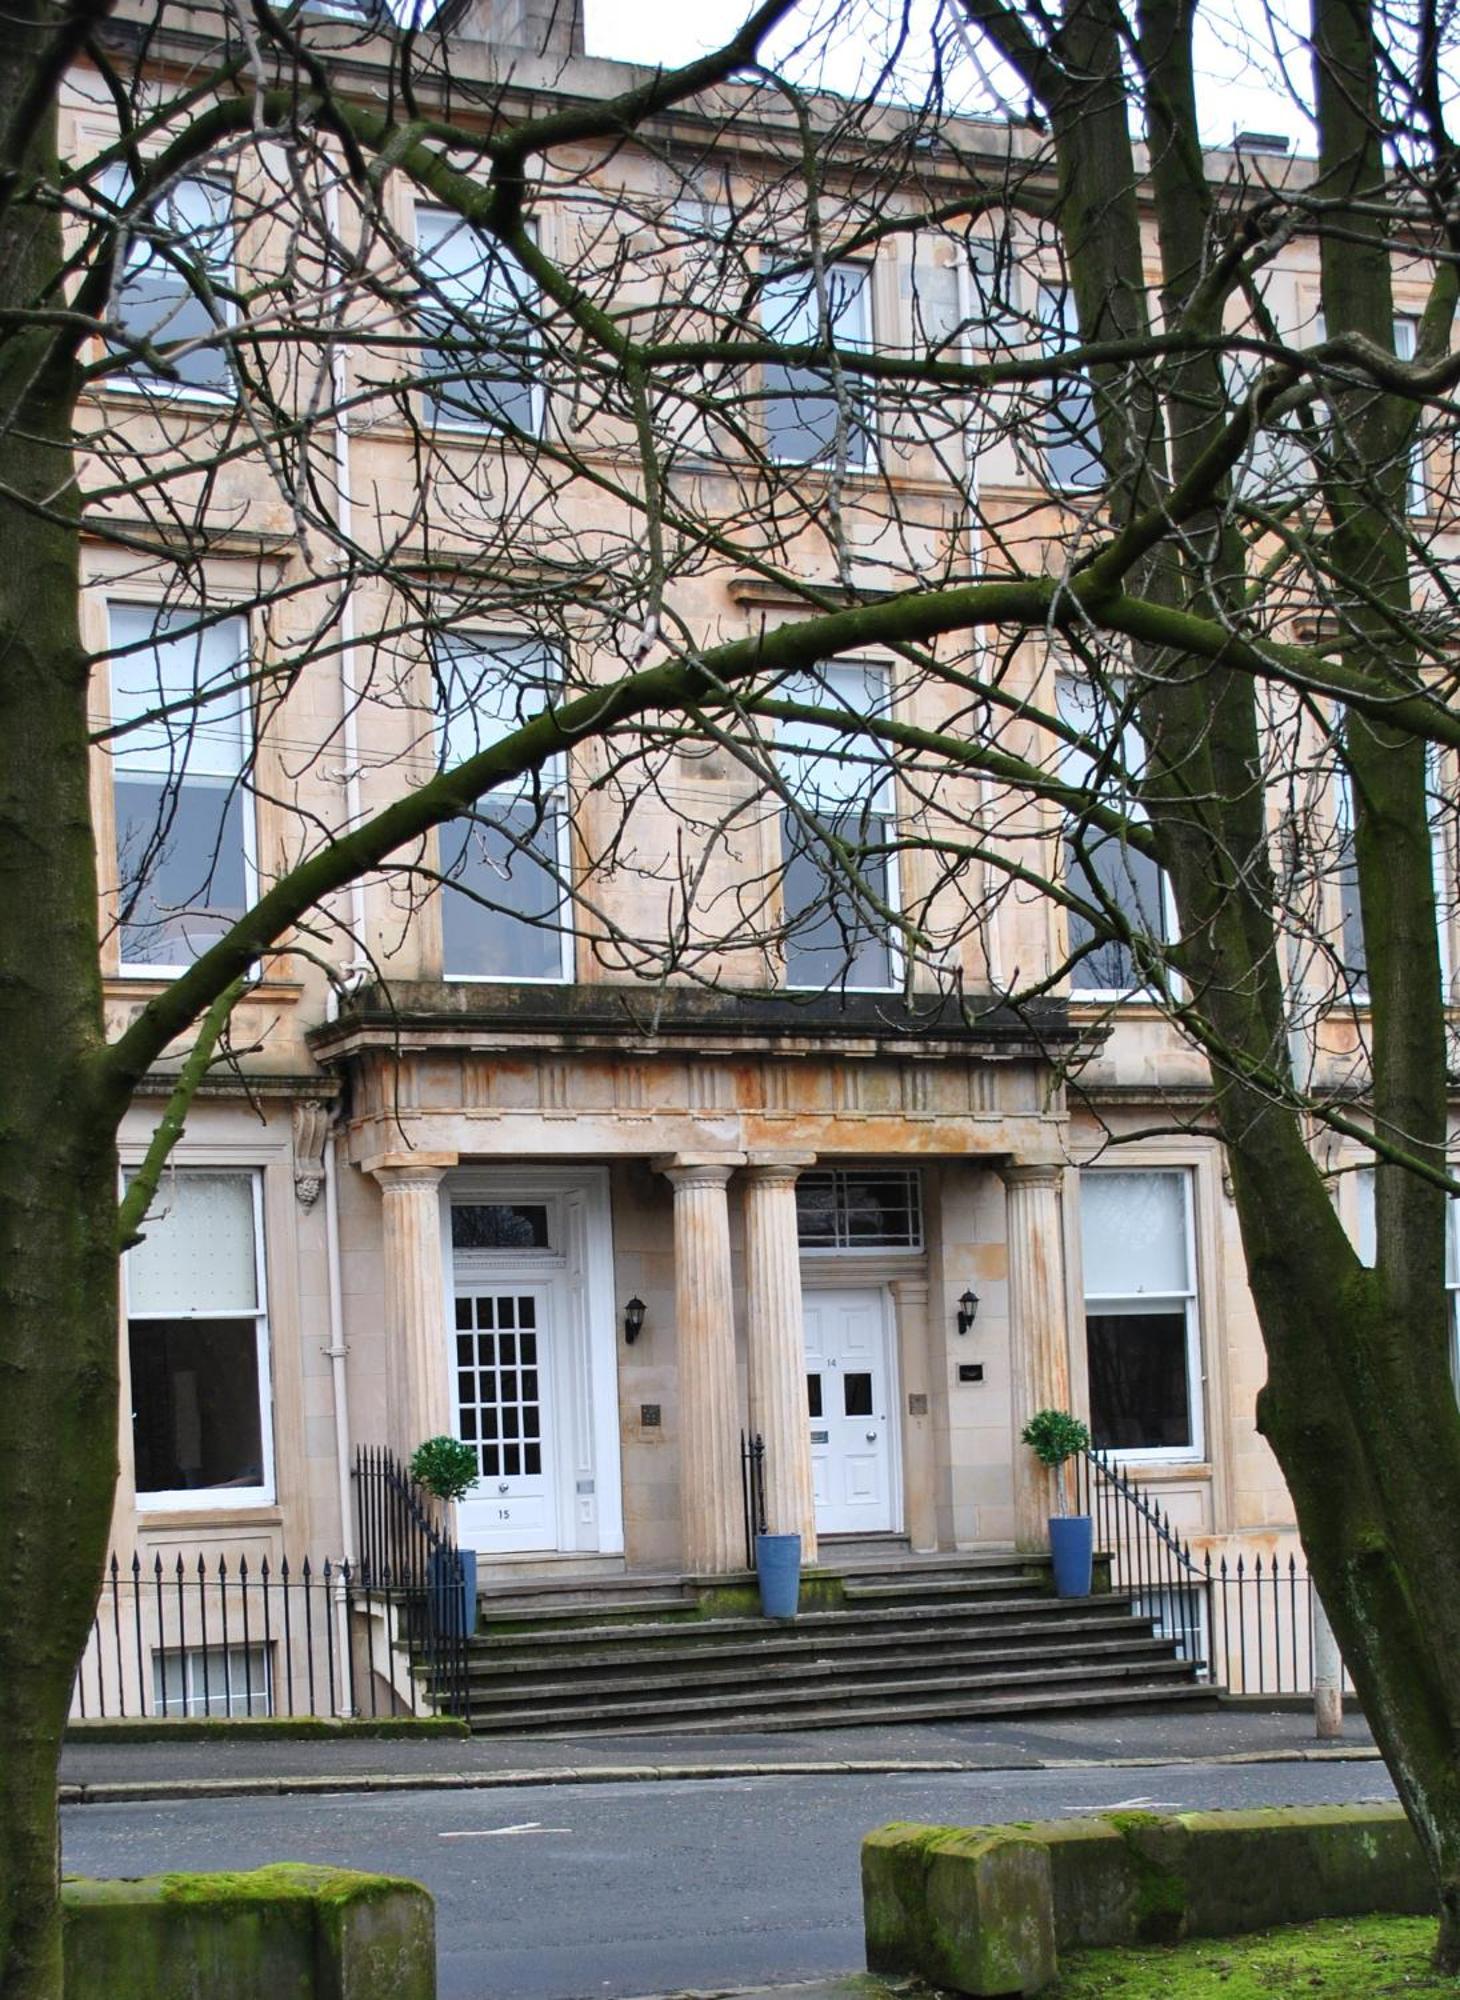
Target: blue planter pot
column 1072, row 1545
column 778, row 1569
column 453, row 1593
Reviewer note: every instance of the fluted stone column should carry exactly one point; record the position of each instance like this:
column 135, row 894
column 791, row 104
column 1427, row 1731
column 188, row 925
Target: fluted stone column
column 910, row 1301
column 709, row 1403
column 1039, row 1360
column 415, row 1295
column 776, row 1343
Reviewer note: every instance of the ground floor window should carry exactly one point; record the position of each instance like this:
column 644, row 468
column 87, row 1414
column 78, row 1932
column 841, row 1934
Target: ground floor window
column 198, row 1343
column 217, row 1680
column 1141, row 1336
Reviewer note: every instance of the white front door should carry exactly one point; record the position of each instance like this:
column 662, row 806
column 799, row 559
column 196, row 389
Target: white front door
column 503, row 1373
column 849, row 1395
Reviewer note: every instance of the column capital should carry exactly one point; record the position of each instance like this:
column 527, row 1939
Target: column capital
column 914, row 1291
column 776, row 1168
column 1032, row 1173
column 697, row 1169
column 409, row 1169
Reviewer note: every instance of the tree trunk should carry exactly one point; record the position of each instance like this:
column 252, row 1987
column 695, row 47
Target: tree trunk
column 58, row 1325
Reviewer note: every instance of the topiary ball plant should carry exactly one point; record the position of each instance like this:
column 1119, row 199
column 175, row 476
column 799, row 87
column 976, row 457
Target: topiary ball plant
column 1054, row 1436
column 445, row 1466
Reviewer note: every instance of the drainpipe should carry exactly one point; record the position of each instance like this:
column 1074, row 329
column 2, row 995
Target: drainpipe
column 358, row 968
column 340, row 1390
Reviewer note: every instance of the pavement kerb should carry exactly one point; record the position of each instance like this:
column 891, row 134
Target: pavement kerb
column 148, row 1791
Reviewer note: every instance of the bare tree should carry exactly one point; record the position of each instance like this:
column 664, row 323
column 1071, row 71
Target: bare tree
column 1157, row 540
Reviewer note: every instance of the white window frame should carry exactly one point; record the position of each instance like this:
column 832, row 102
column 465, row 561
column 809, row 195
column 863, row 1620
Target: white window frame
column 212, row 1499
column 1132, row 755
column 896, row 964
column 198, row 1698
column 123, row 765
column 860, row 340
column 461, row 421
column 131, row 378
column 1138, row 1302
column 557, row 799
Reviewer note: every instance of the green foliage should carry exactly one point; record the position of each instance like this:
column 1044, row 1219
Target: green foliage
column 1054, row 1435
column 445, row 1466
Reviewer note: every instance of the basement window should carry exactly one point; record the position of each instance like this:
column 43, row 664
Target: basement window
column 859, row 1208
column 218, row 1680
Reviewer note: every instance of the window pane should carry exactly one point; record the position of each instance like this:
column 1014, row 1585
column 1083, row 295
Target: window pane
column 831, row 938
column 802, row 412
column 477, row 321
column 1109, row 871
column 1071, row 440
column 181, row 868
column 480, row 1225
column 859, row 1208
column 857, row 1395
column 486, row 688
column 1133, row 1229
column 1139, row 1397
column 195, row 1404
column 187, row 230
column 831, row 769
column 198, row 1251
column 207, row 734
column 507, row 865
column 813, row 1395
column 1111, row 874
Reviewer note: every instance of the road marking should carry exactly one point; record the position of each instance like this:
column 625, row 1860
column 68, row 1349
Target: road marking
column 496, row 1832
column 1129, row 1805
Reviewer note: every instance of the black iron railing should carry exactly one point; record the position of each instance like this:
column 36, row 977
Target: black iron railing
column 752, row 1490
column 191, row 1634
column 1246, row 1625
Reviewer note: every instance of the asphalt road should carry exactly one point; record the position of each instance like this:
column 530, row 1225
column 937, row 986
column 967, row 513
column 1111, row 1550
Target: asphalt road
column 591, row 1892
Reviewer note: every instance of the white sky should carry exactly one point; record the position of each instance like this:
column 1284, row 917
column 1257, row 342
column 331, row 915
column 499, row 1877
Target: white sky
column 1243, row 90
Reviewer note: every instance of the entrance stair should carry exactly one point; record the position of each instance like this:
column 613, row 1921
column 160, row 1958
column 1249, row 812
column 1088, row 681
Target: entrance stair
column 890, row 1639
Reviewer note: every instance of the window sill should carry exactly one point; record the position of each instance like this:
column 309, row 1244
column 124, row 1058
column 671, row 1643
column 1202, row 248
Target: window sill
column 264, row 1514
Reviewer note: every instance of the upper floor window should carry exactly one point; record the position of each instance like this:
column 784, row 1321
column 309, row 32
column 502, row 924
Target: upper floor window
column 1142, row 1340
column 1070, row 436
column 504, row 914
column 1102, row 868
column 198, row 1341
column 838, row 869
column 809, row 418
column 173, row 275
column 478, row 316
column 184, row 829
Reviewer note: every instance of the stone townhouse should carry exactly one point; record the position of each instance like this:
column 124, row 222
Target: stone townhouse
column 494, row 1191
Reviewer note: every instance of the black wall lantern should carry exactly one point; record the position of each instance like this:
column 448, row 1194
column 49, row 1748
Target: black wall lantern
column 967, row 1311
column 633, row 1320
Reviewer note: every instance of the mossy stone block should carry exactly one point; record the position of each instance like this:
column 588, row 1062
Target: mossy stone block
column 288, row 1932
column 1287, row 1864
column 1095, row 1881
column 967, row 1909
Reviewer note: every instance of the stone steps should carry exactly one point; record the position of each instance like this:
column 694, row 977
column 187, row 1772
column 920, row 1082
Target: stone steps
column 911, row 1639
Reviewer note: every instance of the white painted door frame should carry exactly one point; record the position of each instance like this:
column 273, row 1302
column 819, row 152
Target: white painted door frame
column 816, row 1285
column 585, row 1453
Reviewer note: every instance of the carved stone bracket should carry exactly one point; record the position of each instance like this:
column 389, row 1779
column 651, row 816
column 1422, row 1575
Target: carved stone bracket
column 311, row 1136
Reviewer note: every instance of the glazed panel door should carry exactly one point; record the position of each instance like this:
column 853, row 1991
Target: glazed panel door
column 502, row 1382
column 847, row 1393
